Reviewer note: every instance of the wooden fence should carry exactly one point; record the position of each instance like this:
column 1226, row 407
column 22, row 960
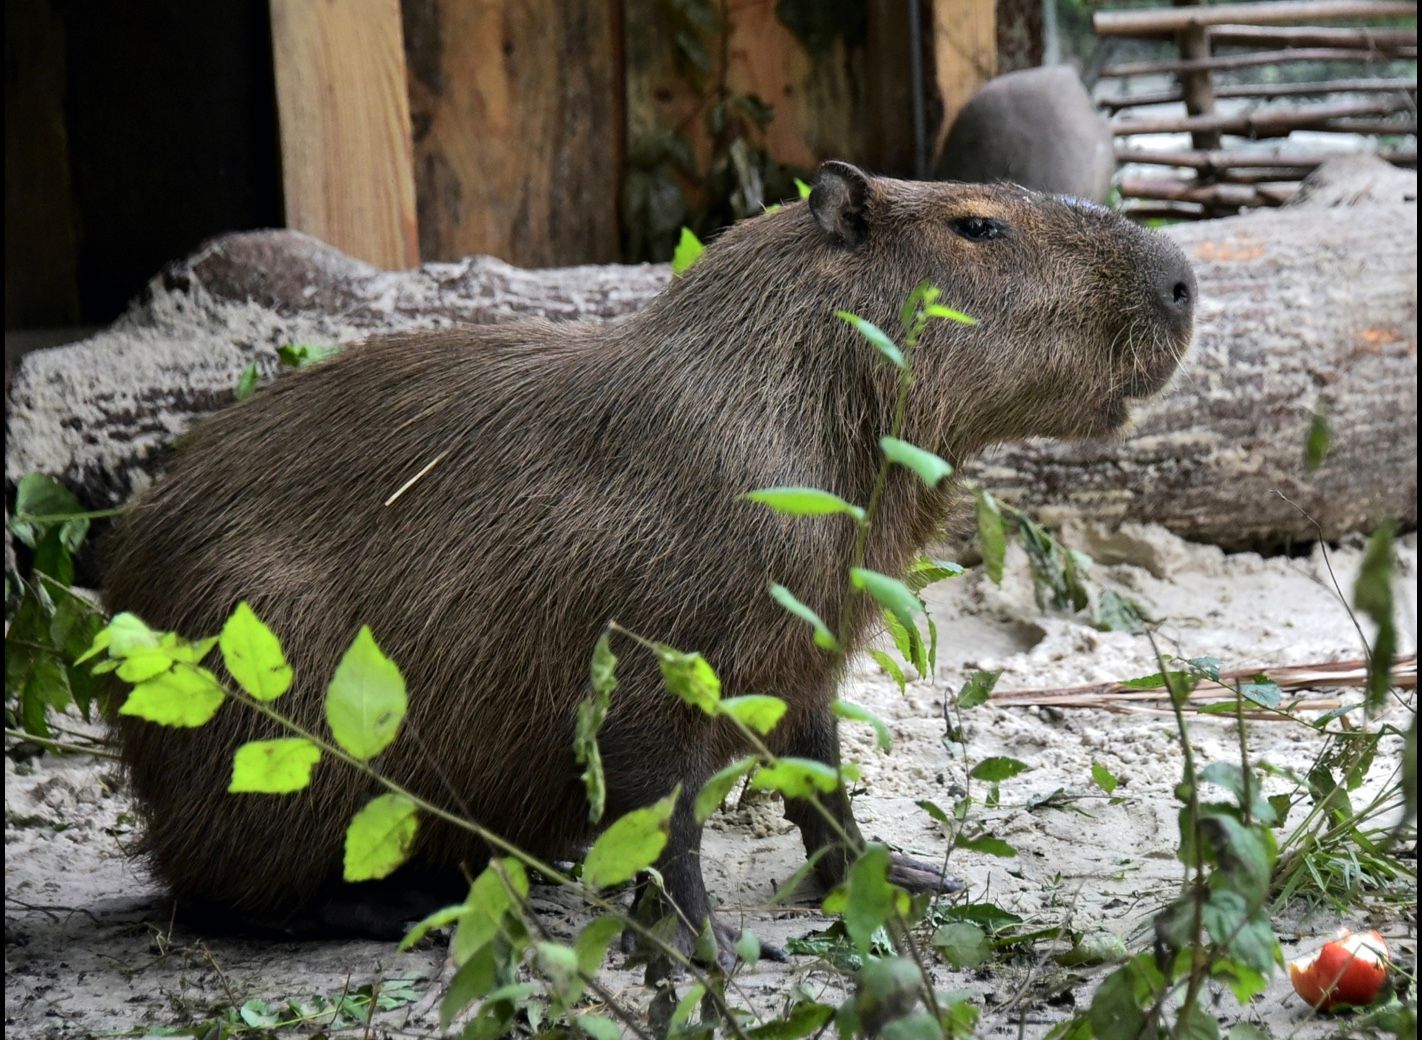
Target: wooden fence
column 1213, row 43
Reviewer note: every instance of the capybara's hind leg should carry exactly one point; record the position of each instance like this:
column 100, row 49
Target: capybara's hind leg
column 818, row 739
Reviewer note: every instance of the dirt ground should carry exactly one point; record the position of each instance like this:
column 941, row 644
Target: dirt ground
column 90, row 949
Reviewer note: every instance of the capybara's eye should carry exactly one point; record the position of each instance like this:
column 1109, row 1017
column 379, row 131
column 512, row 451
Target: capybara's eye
column 977, row 229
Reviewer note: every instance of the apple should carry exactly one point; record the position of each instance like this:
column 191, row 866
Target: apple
column 1349, row 969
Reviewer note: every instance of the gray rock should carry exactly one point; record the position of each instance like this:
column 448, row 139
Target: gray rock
column 1036, row 127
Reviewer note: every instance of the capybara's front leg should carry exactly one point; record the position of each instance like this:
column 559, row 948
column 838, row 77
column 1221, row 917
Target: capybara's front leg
column 829, row 825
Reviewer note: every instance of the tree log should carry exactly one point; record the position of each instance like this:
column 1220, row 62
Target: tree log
column 1300, row 310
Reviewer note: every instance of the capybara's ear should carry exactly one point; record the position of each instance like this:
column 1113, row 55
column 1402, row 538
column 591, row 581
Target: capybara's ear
column 839, row 200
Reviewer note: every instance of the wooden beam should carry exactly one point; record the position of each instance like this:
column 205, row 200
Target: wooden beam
column 1241, row 159
column 1244, row 61
column 1271, row 122
column 519, row 129
column 964, row 53
column 1267, row 91
column 1363, row 38
column 1168, row 21
column 344, row 115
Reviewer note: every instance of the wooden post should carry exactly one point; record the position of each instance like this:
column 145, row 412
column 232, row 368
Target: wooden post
column 519, row 128
column 344, row 117
column 965, row 54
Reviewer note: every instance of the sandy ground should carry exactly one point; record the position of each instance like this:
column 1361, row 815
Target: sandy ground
column 90, row 949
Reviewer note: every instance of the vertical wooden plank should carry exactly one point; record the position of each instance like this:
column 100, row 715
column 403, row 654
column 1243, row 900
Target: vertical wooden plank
column 345, row 126
column 518, row 128
column 887, row 123
column 964, row 52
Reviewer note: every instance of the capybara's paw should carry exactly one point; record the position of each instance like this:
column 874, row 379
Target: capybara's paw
column 917, row 876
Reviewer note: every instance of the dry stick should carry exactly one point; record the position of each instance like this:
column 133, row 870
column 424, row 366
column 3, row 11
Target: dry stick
column 1229, row 194
column 1363, row 38
column 1267, row 90
column 1168, row 21
column 1273, row 122
column 1289, row 677
column 1227, row 160
column 1245, row 61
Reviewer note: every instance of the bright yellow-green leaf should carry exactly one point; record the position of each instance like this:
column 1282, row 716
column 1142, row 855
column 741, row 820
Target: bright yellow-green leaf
column 804, row 501
column 824, row 638
column 144, row 663
column 365, row 702
column 688, row 251
column 273, row 766
column 631, row 844
column 757, row 710
column 876, row 336
column 380, row 837
column 690, row 677
column 253, row 655
column 929, row 467
column 855, row 713
column 499, row 890
column 185, row 696
column 714, row 791
column 892, row 594
column 796, row 778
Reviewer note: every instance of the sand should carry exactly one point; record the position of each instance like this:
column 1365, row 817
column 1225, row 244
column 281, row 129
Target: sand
column 90, row 948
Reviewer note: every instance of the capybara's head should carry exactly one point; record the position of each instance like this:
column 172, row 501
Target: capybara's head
column 1078, row 310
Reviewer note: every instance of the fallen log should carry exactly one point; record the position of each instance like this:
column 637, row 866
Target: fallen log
column 1301, row 311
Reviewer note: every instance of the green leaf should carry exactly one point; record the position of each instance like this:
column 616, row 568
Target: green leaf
column 247, row 381
column 499, row 890
column 184, row 697
column 758, row 711
column 803, row 188
column 604, row 666
column 690, row 677
column 1103, row 778
column 869, row 898
column 929, row 467
column 855, row 713
column 1117, row 613
column 592, row 942
column 963, row 945
column 592, row 712
column 299, row 355
column 977, row 689
column 891, row 668
column 925, row 572
column 124, row 634
column 992, row 535
column 747, row 947
column 804, row 501
column 714, row 791
column 933, row 810
column 998, row 768
column 1263, row 691
column 804, row 1019
column 144, row 663
column 796, row 778
column 441, row 918
column 824, row 638
column 988, row 845
column 365, row 702
column 596, row 1027
column 937, row 310
column 379, row 838
column 924, row 294
column 632, row 843
column 688, row 250
column 1372, row 595
column 909, row 642
column 876, row 337
column 273, row 766
column 253, row 655
column 39, row 496
column 1316, row 442
column 891, row 594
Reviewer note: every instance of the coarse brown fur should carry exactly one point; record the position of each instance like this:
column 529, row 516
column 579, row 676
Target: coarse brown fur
column 593, row 472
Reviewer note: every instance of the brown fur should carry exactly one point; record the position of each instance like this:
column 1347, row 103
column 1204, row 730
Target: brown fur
column 592, row 472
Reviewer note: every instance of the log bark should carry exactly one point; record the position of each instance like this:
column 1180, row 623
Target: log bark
column 1301, row 309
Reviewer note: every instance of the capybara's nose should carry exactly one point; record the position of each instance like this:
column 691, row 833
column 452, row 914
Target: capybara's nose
column 1175, row 288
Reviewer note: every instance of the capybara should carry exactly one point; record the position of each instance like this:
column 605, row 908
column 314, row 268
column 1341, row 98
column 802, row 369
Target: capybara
column 590, row 472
